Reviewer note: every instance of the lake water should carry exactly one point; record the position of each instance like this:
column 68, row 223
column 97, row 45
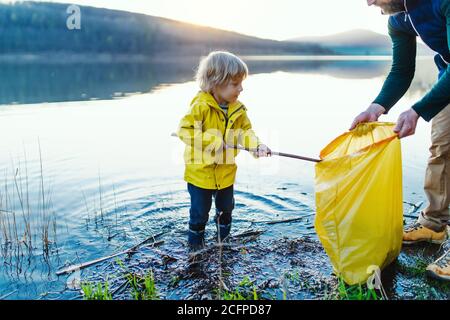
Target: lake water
column 96, row 139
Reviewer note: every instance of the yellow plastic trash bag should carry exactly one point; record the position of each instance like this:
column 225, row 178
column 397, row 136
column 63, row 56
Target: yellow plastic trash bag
column 359, row 216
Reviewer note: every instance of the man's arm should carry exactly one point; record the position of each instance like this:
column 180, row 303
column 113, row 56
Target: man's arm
column 402, row 71
column 439, row 96
column 398, row 80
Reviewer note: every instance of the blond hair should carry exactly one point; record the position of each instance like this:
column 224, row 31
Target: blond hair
column 218, row 68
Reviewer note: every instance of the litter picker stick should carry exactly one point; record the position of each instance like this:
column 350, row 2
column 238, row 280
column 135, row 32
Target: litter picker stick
column 273, row 153
column 280, row 154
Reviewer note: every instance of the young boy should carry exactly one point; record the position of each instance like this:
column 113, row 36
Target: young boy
column 216, row 120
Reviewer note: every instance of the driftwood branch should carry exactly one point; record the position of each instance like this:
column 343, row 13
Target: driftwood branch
column 248, row 234
column 284, row 221
column 410, row 216
column 288, row 220
column 92, row 262
column 414, row 205
column 7, row 295
column 6, row 211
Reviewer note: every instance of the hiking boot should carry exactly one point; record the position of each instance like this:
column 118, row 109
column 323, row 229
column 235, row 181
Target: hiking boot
column 418, row 233
column 440, row 269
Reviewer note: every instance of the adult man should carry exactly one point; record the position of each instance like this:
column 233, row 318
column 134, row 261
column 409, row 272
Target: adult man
column 430, row 20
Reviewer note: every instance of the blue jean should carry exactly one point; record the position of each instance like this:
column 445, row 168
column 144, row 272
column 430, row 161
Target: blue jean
column 201, row 201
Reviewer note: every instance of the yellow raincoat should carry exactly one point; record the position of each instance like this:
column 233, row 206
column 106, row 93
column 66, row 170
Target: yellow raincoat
column 205, row 129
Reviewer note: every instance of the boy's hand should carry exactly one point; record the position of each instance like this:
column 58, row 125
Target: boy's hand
column 263, row 151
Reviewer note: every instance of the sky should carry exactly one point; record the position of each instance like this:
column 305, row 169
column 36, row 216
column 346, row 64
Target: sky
column 271, row 19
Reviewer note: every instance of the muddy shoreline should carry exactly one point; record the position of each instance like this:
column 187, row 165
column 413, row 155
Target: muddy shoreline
column 275, row 269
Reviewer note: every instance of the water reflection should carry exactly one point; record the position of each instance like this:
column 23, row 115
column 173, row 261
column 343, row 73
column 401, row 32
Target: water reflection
column 29, row 82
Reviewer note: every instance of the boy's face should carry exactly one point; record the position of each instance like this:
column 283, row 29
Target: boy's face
column 230, row 91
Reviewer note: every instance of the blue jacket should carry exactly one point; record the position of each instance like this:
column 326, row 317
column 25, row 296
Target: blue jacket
column 430, row 20
column 424, row 18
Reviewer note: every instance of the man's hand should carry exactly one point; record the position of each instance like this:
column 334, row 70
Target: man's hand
column 373, row 112
column 263, row 151
column 406, row 123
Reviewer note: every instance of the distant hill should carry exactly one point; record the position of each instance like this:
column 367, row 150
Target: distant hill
column 358, row 42
column 40, row 28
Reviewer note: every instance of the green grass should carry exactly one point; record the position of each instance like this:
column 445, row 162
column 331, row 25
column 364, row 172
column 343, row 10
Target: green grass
column 245, row 290
column 174, row 281
column 143, row 288
column 293, row 276
column 418, row 268
column 99, row 292
column 356, row 292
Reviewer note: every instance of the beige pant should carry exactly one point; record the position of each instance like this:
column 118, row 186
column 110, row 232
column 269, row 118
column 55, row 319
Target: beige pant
column 437, row 177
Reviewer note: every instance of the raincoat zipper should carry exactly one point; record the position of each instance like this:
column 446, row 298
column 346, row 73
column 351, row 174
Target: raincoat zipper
column 228, row 118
